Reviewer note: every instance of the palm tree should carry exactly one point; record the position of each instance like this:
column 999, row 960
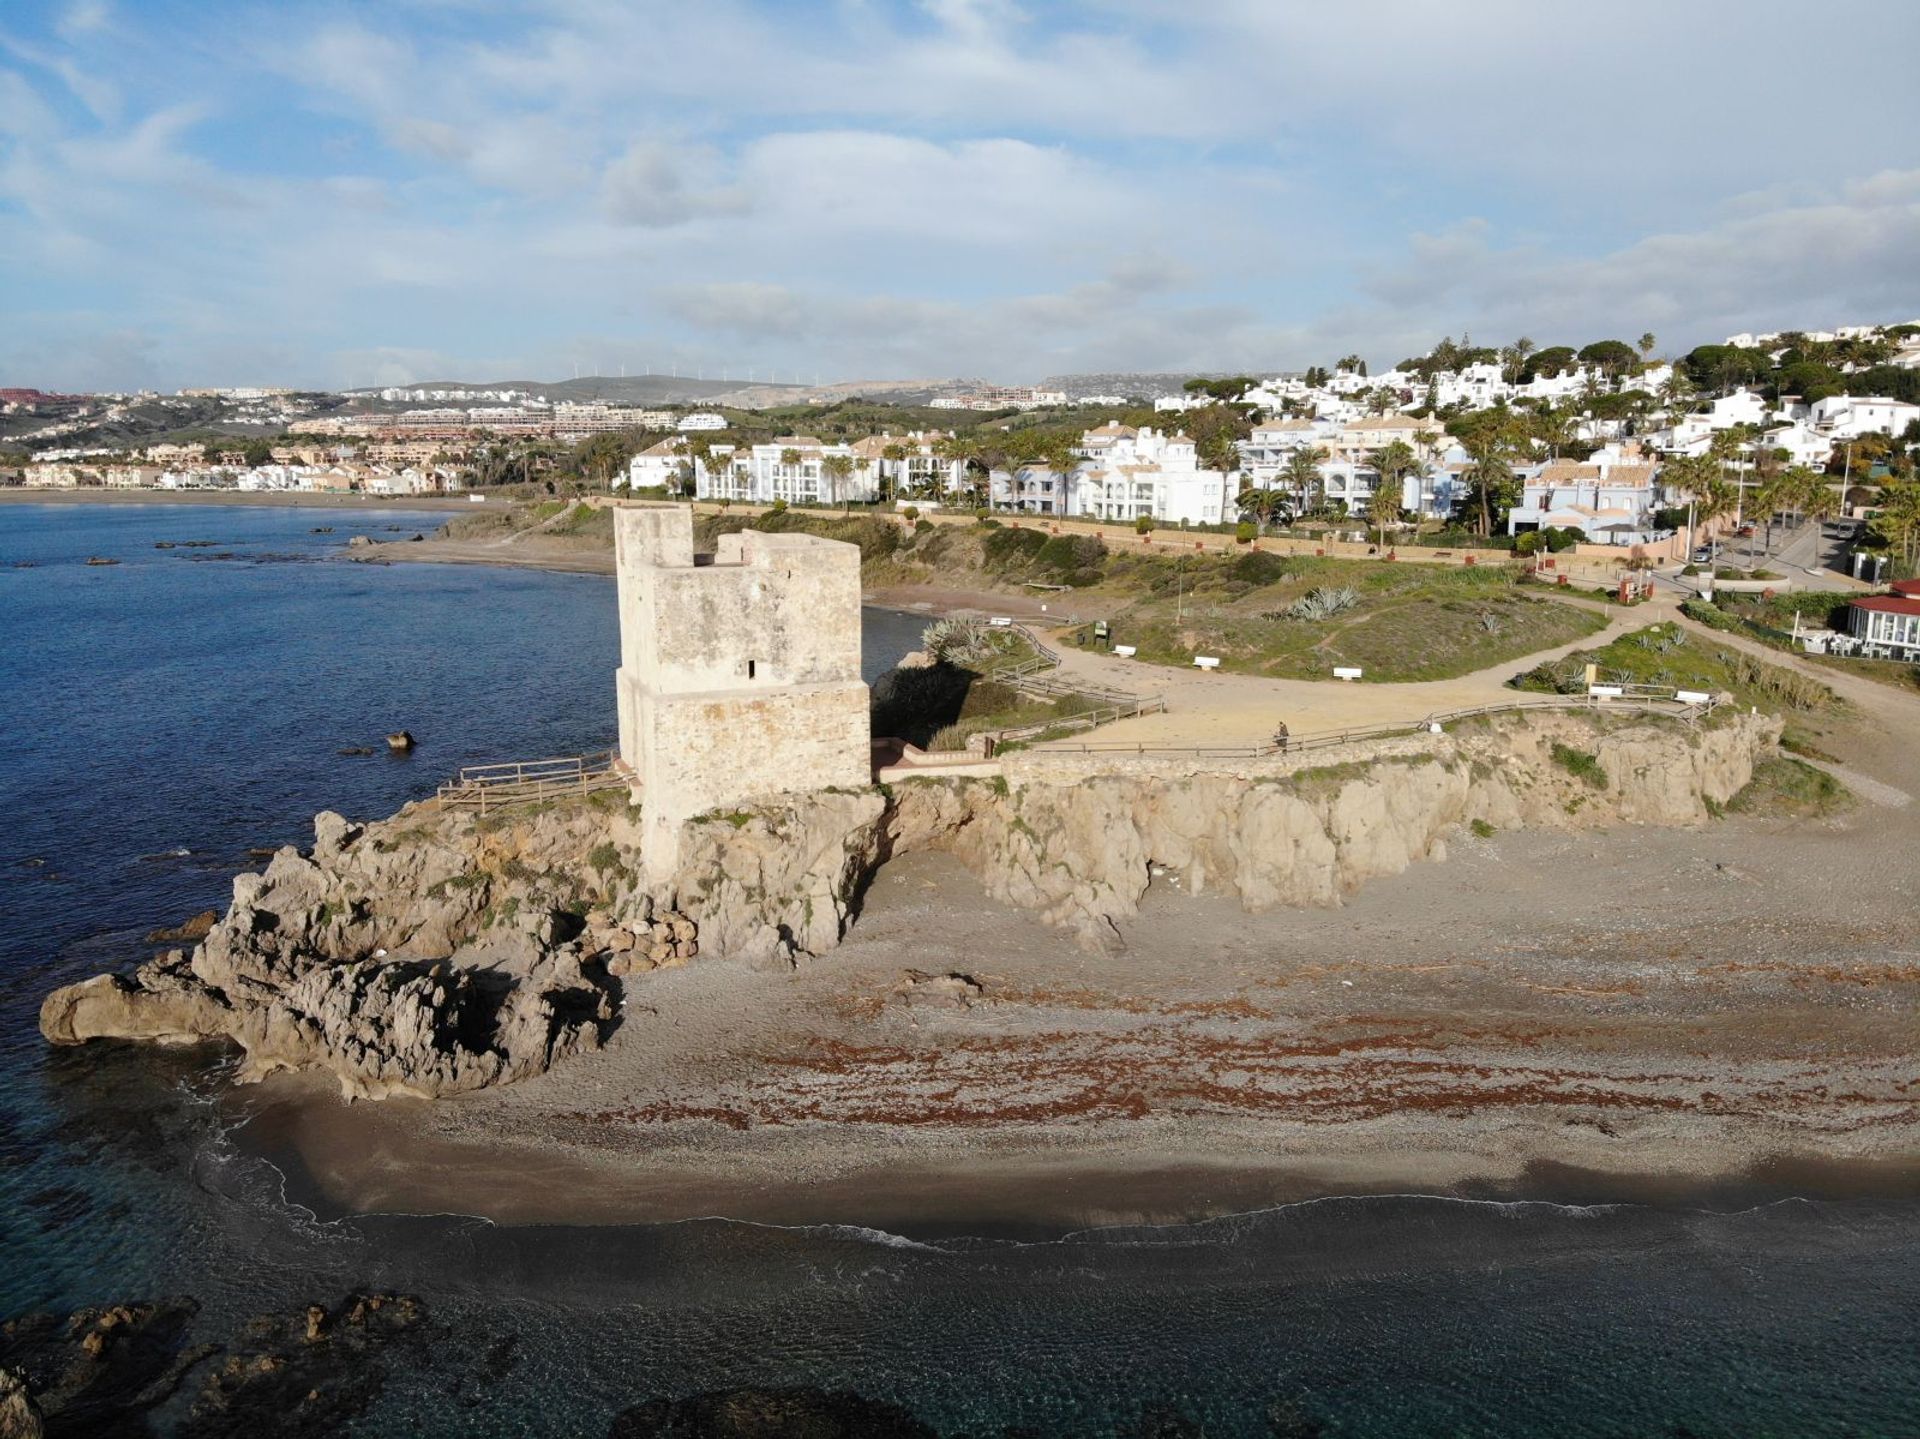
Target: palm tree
column 1392, row 464
column 895, row 455
column 956, row 449
column 1647, row 342
column 835, row 470
column 1256, row 504
column 1303, row 478
column 1898, row 523
column 1385, row 508
column 1489, row 475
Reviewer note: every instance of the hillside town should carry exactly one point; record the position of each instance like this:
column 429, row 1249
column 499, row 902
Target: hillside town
column 1609, row 446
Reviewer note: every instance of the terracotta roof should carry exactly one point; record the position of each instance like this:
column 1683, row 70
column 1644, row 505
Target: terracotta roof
column 1392, row 422
column 1910, row 588
column 1889, row 605
column 1112, row 428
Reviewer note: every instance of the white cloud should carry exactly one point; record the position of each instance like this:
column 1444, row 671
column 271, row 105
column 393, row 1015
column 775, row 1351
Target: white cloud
column 957, row 185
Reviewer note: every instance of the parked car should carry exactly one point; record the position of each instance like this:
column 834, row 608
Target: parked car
column 1703, row 555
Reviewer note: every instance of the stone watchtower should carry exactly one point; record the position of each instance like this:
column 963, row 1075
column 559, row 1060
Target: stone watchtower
column 739, row 672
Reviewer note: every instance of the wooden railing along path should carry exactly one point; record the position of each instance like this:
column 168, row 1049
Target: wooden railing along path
column 489, row 786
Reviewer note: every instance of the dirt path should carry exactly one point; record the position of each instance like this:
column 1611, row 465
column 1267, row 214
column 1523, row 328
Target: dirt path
column 1207, row 707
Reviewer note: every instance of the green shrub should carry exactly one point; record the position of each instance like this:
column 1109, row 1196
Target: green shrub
column 912, row 513
column 1784, row 786
column 1257, row 567
column 1482, row 830
column 1143, row 525
column 1244, row 532
column 1580, row 764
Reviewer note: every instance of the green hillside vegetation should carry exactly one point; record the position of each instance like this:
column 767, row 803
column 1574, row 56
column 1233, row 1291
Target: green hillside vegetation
column 1789, row 788
column 1668, row 655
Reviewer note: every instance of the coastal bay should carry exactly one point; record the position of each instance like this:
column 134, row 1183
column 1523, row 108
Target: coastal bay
column 1646, row 959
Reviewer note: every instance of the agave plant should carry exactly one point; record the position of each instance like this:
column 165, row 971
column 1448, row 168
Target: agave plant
column 956, row 641
column 1323, row 603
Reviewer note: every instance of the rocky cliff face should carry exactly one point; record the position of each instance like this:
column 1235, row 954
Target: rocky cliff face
column 436, row 952
column 427, row 954
column 1079, row 847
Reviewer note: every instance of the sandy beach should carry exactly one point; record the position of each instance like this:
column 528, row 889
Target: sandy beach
column 1726, row 1012
column 1722, row 1013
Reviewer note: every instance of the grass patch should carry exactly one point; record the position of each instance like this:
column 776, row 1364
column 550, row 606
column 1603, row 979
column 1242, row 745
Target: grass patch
column 1785, row 787
column 1581, row 764
column 1411, row 622
column 1482, row 830
column 1667, row 655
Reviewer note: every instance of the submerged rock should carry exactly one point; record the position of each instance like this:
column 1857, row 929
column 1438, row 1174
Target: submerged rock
column 753, row 1413
column 189, row 932
column 102, row 1371
column 94, row 1370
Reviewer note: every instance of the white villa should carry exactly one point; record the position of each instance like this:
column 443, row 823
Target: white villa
column 1610, row 499
column 1132, row 473
column 1847, row 417
column 662, row 465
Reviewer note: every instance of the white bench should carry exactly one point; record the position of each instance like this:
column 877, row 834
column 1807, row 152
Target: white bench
column 1346, row 672
column 1206, row 662
column 1693, row 697
column 1124, row 651
column 1000, row 622
column 1605, row 692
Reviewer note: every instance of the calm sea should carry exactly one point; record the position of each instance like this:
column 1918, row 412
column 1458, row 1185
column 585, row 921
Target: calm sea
column 163, row 716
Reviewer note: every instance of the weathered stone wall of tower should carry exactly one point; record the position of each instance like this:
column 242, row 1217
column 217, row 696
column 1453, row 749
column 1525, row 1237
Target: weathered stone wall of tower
column 739, row 673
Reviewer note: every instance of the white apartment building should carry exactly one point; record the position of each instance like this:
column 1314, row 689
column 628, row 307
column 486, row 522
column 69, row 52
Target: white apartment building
column 701, row 420
column 1265, row 453
column 1130, row 473
column 917, row 467
column 1031, row 489
column 794, row 468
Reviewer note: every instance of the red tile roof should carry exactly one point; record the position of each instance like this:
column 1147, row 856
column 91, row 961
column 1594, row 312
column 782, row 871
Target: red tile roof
column 1905, row 587
column 1889, row 605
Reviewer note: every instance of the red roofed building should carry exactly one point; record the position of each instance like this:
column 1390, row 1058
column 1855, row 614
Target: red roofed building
column 1890, row 623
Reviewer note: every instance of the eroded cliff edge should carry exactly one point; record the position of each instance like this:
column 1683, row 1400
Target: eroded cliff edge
column 438, row 951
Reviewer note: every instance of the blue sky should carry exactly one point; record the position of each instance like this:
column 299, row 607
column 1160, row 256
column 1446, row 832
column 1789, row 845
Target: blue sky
column 350, row 194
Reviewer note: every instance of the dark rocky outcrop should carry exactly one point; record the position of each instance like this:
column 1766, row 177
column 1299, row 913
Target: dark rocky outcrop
column 94, row 1371
column 103, row 1371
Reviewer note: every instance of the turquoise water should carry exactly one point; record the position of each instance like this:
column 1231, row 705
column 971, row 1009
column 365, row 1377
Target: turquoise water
column 164, row 715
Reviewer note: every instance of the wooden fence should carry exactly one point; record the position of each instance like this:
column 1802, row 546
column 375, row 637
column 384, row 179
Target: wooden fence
column 486, row 787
